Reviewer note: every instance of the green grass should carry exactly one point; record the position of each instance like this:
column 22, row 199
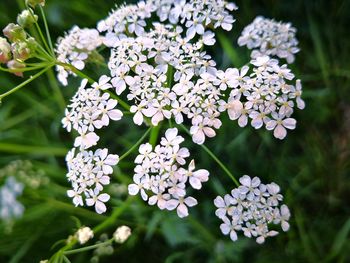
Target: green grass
column 311, row 165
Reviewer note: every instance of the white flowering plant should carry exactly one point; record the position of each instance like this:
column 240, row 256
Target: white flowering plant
column 155, row 66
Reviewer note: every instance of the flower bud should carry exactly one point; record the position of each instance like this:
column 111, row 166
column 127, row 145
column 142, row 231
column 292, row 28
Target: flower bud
column 122, row 234
column 84, row 234
column 20, row 51
column 14, row 32
column 14, row 64
column 5, row 50
column 24, row 50
column 33, row 3
column 26, row 18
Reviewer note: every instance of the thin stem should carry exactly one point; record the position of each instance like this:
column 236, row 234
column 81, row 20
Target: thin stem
column 65, row 259
column 135, row 145
column 25, row 82
column 47, row 30
column 78, row 250
column 23, row 69
column 154, row 135
column 76, row 71
column 216, row 159
column 38, row 28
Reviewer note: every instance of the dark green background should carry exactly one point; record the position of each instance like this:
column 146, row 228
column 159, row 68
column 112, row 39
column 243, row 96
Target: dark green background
column 311, row 165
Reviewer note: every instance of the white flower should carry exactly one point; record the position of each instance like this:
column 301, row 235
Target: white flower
column 181, row 205
column 106, row 111
column 285, row 215
column 77, row 198
column 279, row 126
column 171, row 138
column 122, row 234
column 196, row 177
column 228, row 228
column 223, row 205
column 86, row 139
column 140, row 185
column 234, row 108
column 105, row 161
column 84, row 234
column 199, row 133
column 98, row 201
column 103, row 83
column 249, row 186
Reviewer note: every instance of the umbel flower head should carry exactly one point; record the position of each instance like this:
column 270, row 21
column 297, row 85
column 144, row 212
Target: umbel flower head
column 162, row 69
column 252, row 208
column 268, row 37
column 160, row 178
column 266, row 96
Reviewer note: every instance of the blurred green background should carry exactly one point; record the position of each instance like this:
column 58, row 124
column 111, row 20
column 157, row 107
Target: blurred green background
column 311, row 165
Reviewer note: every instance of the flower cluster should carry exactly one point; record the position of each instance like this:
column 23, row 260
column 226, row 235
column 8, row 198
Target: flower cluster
column 268, row 37
column 196, row 16
column 88, row 173
column 265, row 96
column 9, row 206
column 181, row 82
column 25, row 172
column 251, row 208
column 161, row 180
column 74, row 48
column 17, row 48
column 90, row 109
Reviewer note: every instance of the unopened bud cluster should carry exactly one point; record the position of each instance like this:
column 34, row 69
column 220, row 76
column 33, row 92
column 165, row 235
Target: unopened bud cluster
column 18, row 47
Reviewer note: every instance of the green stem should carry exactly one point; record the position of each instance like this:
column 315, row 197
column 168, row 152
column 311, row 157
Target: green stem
column 76, row 71
column 47, row 30
column 216, row 159
column 78, row 250
column 23, row 69
column 65, row 259
column 25, row 82
column 38, row 29
column 154, row 135
column 135, row 145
